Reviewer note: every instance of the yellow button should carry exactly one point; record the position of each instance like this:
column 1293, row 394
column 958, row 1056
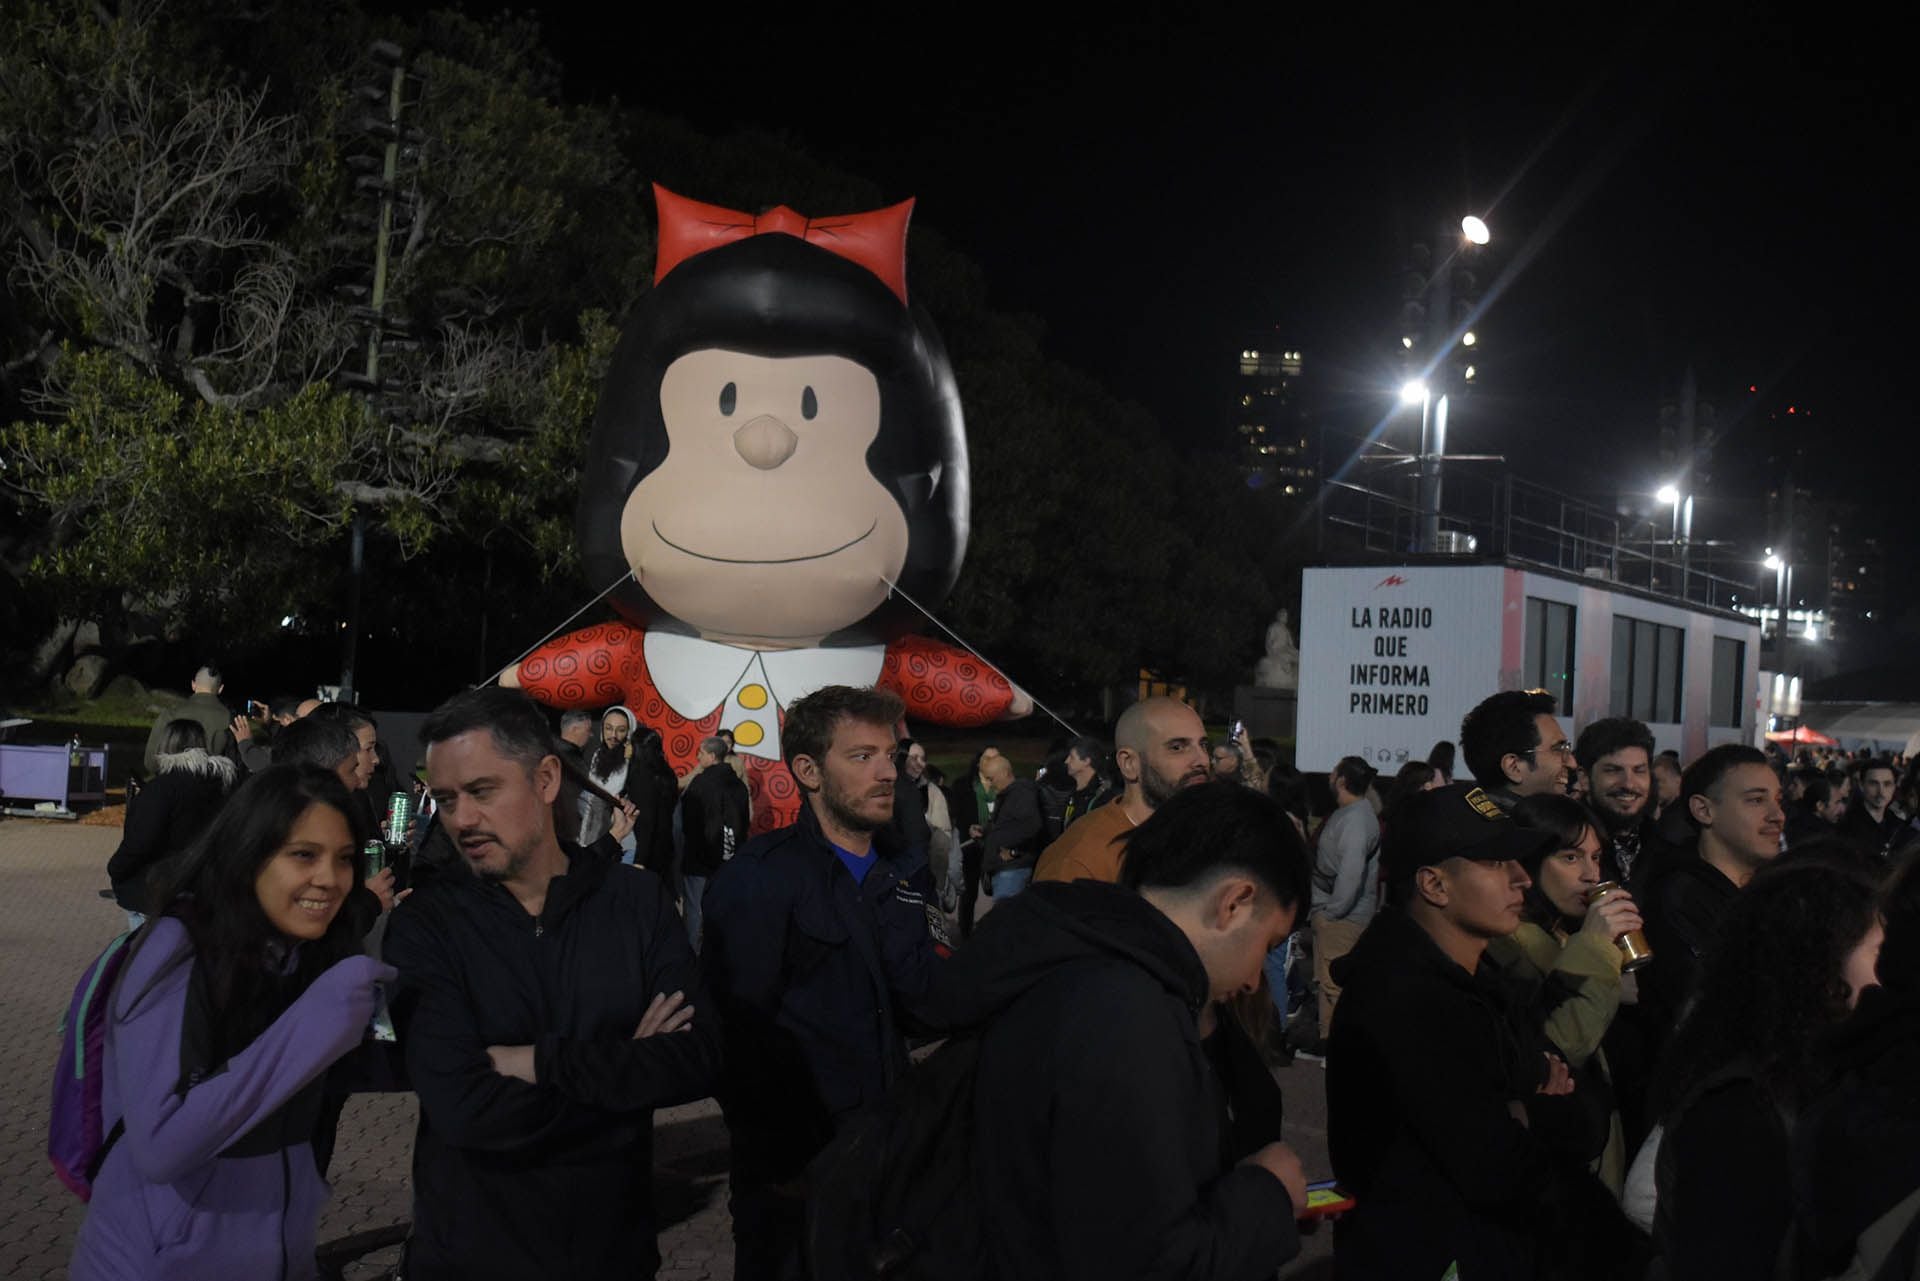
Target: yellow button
column 753, row 698
column 748, row 733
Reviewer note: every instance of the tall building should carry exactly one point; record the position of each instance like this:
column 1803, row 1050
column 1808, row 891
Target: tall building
column 1269, row 419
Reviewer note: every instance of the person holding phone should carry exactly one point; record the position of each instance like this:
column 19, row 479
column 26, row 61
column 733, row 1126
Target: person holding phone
column 236, row 1001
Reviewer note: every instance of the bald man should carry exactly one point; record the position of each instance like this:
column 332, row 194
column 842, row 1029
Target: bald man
column 1160, row 747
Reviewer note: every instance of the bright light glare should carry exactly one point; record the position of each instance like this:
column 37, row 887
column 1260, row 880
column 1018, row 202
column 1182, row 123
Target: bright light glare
column 1471, row 371
column 1406, row 342
column 1469, row 338
column 1668, row 495
column 1413, row 392
column 1475, row 230
column 1773, row 562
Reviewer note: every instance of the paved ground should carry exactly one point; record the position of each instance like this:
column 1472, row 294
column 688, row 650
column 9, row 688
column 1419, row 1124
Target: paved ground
column 52, row 923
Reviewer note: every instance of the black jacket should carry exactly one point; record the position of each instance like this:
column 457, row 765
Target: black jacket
column 1683, row 909
column 164, row 819
column 521, row 1181
column 813, row 977
column 1017, row 832
column 1857, row 1151
column 713, row 819
column 1423, row 1062
column 1100, row 1150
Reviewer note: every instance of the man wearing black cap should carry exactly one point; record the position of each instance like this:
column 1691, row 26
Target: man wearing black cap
column 1428, row 1082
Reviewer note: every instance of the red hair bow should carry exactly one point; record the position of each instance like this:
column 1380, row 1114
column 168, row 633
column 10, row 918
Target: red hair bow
column 876, row 240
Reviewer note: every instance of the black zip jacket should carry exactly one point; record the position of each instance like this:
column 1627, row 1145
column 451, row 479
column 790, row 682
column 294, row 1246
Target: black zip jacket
column 1098, row 1120
column 1683, row 907
column 713, row 818
column 814, row 978
column 512, row 1180
column 1422, row 1066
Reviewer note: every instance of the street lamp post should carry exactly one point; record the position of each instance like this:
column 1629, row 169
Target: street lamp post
column 1433, row 409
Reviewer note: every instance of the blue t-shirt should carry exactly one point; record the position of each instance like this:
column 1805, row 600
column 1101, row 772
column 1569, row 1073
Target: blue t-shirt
column 857, row 865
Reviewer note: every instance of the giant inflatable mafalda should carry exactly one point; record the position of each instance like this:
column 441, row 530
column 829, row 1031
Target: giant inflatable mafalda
column 778, row 439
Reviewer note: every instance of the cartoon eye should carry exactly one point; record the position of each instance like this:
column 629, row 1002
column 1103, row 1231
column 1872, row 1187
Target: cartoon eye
column 729, row 397
column 809, row 404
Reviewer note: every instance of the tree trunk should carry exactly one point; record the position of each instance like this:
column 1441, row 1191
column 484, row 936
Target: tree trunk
column 51, row 650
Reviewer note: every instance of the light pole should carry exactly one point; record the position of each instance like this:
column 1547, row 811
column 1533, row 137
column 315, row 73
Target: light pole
column 1433, row 408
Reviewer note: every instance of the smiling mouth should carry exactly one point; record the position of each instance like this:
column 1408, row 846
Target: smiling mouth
column 777, row 560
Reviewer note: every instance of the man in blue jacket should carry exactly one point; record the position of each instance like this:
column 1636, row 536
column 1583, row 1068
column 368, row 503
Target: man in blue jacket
column 818, row 944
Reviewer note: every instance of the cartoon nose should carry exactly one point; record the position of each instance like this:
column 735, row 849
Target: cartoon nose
column 765, row 442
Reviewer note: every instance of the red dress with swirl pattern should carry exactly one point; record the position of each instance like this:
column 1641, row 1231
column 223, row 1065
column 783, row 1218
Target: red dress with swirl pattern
column 605, row 664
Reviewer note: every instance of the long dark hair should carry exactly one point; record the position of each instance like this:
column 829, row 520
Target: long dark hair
column 242, row 957
column 1773, row 983
column 1569, row 821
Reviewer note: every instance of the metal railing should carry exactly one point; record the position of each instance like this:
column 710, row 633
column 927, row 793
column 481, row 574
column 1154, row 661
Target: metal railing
column 1503, row 517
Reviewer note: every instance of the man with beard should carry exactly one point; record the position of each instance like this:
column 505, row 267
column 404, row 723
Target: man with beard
column 546, row 1005
column 1617, row 756
column 1160, row 747
column 1872, row 826
column 611, row 767
column 819, row 944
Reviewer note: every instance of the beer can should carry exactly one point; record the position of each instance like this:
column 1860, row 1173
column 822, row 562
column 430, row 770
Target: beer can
column 399, row 817
column 1633, row 944
column 376, row 852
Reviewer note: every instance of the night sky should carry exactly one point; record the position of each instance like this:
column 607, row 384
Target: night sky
column 1736, row 201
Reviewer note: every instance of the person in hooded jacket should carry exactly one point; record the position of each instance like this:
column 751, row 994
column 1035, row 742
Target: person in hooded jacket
column 237, row 999
column 1856, row 1152
column 548, row 1003
column 1103, row 1144
column 187, row 791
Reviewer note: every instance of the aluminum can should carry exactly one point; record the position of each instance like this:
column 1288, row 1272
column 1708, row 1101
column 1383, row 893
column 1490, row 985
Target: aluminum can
column 1633, row 944
column 376, row 852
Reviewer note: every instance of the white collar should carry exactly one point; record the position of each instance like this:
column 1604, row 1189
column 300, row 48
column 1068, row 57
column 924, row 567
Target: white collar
column 695, row 676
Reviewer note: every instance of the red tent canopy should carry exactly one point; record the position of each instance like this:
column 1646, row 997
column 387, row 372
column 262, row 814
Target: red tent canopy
column 1802, row 736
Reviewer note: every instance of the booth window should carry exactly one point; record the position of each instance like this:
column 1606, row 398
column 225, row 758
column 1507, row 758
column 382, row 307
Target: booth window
column 1646, row 670
column 1729, row 677
column 1550, row 650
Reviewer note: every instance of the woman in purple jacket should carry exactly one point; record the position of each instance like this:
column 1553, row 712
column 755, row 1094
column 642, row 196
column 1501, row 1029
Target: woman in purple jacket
column 223, row 1022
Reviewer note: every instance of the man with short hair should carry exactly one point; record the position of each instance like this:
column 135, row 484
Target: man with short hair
column 1159, row 748
column 1226, row 762
column 819, row 948
column 1617, row 755
column 1514, row 746
column 255, row 753
column 1428, row 1081
column 1817, row 815
column 1666, row 781
column 713, row 819
column 1345, row 874
column 203, row 705
column 365, row 734
column 546, row 1005
column 1090, row 784
column 1732, row 798
column 325, row 744
column 1011, row 840
column 1871, row 824
column 1102, row 1146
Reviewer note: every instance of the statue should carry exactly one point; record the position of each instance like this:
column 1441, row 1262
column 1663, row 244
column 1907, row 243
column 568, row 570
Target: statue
column 1280, row 668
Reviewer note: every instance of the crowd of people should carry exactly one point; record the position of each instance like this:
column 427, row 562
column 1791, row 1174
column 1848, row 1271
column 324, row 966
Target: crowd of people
column 1587, row 1011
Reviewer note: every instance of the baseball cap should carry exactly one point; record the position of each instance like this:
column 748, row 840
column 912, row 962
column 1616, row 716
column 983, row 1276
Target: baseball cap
column 1457, row 821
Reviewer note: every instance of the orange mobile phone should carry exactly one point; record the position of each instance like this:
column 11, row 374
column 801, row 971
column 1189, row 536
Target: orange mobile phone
column 1327, row 1200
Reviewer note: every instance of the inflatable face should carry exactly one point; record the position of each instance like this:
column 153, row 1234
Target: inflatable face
column 779, row 436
